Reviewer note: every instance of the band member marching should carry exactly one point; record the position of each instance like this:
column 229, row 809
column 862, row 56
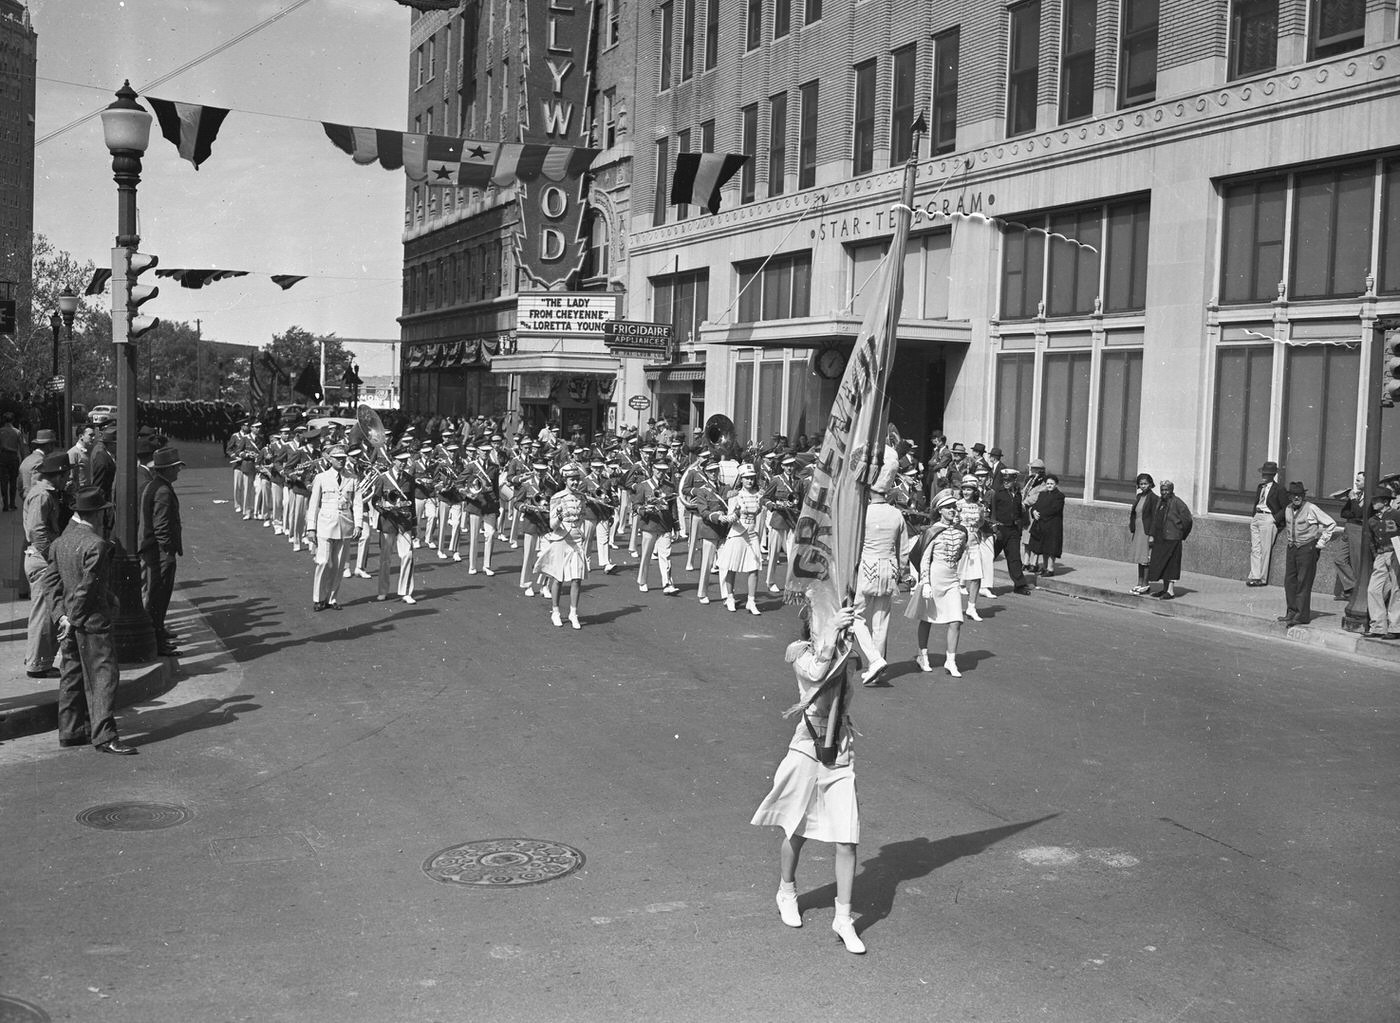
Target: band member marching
column 532, row 498
column 598, row 512
column 783, row 495
column 262, row 479
column 712, row 523
column 516, row 468
column 565, row 560
column 481, row 506
column 449, row 502
column 689, row 512
column 975, row 568
column 424, row 495
column 658, row 527
column 371, row 517
column 241, row 450
column 740, row 555
column 298, row 470
column 396, row 526
column 281, row 446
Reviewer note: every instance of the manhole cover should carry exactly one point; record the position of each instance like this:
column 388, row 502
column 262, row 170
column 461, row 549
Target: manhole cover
column 12, row 1010
column 134, row 816
column 503, row 862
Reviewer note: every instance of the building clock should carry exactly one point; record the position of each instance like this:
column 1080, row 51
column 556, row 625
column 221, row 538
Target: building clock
column 831, row 363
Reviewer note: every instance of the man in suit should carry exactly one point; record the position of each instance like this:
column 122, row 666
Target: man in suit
column 1009, row 521
column 996, row 467
column 334, row 518
column 160, row 542
column 104, row 465
column 1269, row 502
column 45, row 516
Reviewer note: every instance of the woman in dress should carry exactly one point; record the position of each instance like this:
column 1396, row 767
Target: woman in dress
column 810, row 799
column 565, row 561
column 1140, row 529
column 975, row 568
column 1047, row 535
column 740, row 553
column 936, row 599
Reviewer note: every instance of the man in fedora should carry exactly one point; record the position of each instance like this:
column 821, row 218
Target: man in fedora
column 45, row 516
column 87, row 686
column 1269, row 502
column 160, row 542
column 1308, row 529
column 104, row 465
column 44, row 442
column 334, row 517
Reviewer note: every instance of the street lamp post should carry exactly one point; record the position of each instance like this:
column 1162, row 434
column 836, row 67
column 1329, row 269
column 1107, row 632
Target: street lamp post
column 126, row 128
column 68, row 306
column 56, row 325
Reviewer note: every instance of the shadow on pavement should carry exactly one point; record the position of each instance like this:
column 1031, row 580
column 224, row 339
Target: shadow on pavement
column 153, row 726
column 879, row 877
column 608, row 616
column 239, row 624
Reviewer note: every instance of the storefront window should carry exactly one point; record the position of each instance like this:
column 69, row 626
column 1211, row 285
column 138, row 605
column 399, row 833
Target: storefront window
column 1253, row 265
column 743, row 399
column 1064, row 417
column 1243, row 391
column 1015, row 392
column 1120, row 406
column 1319, row 416
column 770, row 400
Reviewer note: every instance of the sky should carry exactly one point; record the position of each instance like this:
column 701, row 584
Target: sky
column 275, row 196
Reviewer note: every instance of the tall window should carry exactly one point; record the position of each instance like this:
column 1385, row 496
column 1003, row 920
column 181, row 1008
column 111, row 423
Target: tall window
column 707, row 136
column 1015, row 390
column 1074, row 264
column 1137, row 54
column 1064, row 417
column 1243, row 385
column 711, row 33
column 782, row 18
column 781, row 290
column 418, row 78
column 432, row 57
column 807, row 146
column 682, row 300
column 863, row 138
column 1319, row 415
column 747, row 176
column 1022, row 273
column 688, row 42
column 428, row 121
column 667, row 29
column 814, row 11
column 944, row 129
column 663, row 163
column 754, row 25
column 609, row 138
column 1253, row 37
column 777, row 143
column 1077, row 59
column 614, row 16
column 1126, row 286
column 1113, row 236
column 1335, row 26
column 743, row 399
column 1332, row 232
column 1253, row 252
column 595, row 256
column 682, row 146
column 1023, row 68
column 1388, row 280
column 902, row 103
column 1120, row 413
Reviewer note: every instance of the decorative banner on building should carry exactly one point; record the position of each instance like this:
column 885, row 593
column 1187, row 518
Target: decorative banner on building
column 554, row 84
column 576, row 315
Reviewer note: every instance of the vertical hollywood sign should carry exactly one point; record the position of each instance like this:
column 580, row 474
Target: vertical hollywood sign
column 555, row 78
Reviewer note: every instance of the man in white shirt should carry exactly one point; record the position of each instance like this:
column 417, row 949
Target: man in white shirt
column 1307, row 529
column 334, row 518
column 1269, row 502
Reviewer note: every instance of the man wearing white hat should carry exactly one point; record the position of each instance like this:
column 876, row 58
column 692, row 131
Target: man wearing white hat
column 334, row 515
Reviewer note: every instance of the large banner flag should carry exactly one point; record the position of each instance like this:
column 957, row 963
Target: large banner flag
column 831, row 527
column 698, row 178
column 191, row 127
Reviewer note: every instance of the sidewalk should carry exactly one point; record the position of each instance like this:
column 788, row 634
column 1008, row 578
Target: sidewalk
column 1222, row 603
column 30, row 705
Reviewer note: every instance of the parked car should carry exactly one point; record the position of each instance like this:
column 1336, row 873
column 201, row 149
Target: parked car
column 101, row 415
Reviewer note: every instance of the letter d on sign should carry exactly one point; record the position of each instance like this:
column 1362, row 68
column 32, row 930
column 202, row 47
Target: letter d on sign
column 551, row 244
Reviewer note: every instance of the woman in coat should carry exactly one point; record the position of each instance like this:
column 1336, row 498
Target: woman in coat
column 1140, row 529
column 1047, row 535
column 1171, row 525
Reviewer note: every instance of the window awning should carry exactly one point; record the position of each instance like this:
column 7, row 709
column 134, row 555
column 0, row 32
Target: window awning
column 677, row 373
column 567, row 363
column 821, row 331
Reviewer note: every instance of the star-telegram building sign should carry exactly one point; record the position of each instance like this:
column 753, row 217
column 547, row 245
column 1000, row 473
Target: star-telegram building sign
column 555, row 84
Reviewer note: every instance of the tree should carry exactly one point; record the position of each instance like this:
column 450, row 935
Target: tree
column 294, row 349
column 26, row 361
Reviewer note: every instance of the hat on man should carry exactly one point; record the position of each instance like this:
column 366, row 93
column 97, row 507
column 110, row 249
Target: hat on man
column 336, row 451
column 1010, row 474
column 91, row 499
column 1037, row 463
column 402, row 456
column 540, row 466
column 958, row 448
column 427, row 445
column 995, row 452
column 1270, row 467
column 355, row 452
column 54, row 462
column 746, row 471
column 944, row 499
column 980, row 448
column 571, row 470
column 1296, row 489
column 45, row 437
column 788, row 460
column 166, row 458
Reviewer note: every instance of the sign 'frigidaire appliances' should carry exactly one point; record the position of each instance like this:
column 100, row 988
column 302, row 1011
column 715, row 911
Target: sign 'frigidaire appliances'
column 554, row 81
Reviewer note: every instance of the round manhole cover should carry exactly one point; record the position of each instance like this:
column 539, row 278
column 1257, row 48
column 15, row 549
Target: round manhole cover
column 503, row 863
column 12, row 1010
column 134, row 816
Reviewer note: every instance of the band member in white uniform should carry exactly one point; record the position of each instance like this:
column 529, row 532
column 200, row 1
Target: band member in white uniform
column 357, row 459
column 658, row 527
column 480, row 507
column 333, row 521
column 935, row 599
column 449, row 517
column 975, row 569
column 740, row 555
column 598, row 512
column 784, row 497
column 241, row 447
column 532, row 498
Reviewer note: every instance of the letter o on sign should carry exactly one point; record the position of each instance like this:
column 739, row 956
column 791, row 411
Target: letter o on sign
column 554, row 203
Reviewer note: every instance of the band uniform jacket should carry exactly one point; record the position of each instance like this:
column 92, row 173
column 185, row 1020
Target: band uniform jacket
column 84, row 563
column 161, row 531
column 334, row 510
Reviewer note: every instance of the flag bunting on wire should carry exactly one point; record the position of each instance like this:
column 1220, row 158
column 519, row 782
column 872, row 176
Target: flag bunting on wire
column 198, row 278
column 698, row 178
column 190, row 126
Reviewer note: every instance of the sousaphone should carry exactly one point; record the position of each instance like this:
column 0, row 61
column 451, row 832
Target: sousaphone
column 376, row 439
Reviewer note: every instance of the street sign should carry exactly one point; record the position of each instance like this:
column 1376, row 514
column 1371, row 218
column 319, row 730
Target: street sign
column 648, row 354
column 631, row 339
column 56, row 384
column 640, row 402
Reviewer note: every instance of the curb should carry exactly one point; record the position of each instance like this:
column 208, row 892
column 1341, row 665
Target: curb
column 1326, row 638
column 137, row 684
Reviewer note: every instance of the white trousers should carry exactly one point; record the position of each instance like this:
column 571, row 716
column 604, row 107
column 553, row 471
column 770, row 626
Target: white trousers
column 1262, row 532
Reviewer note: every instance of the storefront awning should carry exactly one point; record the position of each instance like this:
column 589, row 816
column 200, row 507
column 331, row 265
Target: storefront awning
column 566, row 363
column 819, row 332
column 679, row 374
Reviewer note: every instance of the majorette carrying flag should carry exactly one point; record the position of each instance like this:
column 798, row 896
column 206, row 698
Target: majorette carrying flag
column 191, row 127
column 699, row 177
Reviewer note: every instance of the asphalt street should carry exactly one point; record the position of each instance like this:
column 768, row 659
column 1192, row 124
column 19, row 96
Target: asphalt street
column 1111, row 817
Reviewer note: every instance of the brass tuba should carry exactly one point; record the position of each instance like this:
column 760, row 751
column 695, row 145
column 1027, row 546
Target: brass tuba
column 375, row 439
column 719, row 434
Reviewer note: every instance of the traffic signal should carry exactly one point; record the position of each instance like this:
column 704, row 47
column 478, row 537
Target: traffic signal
column 128, row 296
column 1390, row 370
